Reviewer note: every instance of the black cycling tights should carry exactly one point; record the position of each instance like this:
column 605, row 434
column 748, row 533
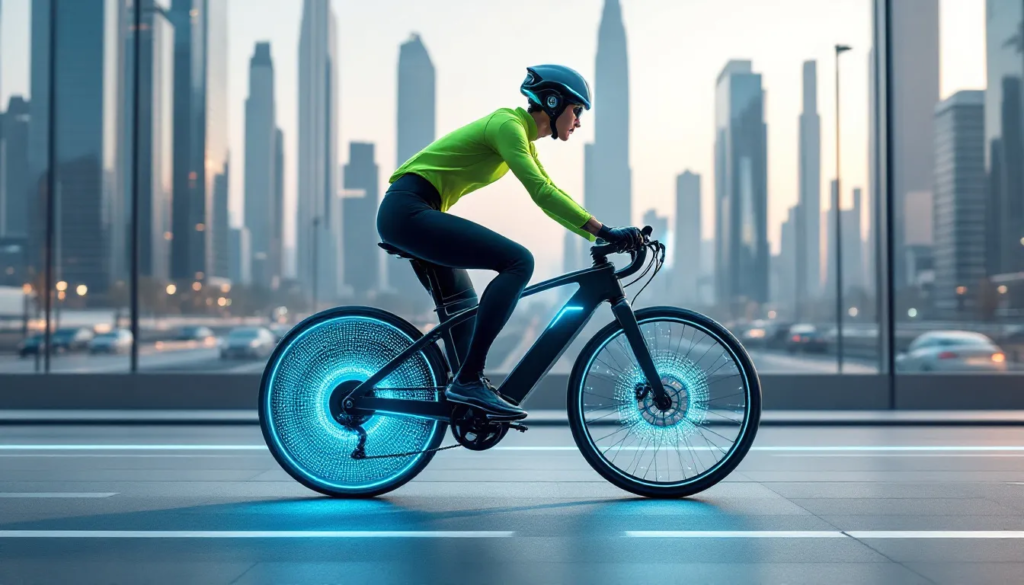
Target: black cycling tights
column 409, row 219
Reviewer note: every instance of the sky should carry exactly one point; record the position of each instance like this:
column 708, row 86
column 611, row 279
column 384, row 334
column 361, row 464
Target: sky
column 480, row 51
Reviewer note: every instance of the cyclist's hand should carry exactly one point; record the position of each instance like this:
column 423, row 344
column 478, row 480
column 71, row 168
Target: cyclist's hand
column 624, row 238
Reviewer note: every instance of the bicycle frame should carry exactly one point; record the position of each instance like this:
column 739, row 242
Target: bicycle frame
column 596, row 285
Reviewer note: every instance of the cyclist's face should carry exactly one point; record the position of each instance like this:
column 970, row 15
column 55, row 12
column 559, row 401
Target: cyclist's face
column 568, row 121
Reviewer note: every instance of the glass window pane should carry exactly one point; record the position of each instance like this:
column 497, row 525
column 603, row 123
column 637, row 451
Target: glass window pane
column 21, row 197
column 958, row 188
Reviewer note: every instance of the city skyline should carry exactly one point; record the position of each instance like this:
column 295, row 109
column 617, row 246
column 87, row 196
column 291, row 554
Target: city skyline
column 555, row 158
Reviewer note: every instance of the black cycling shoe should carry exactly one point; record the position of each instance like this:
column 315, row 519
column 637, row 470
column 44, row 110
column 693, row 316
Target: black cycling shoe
column 480, row 394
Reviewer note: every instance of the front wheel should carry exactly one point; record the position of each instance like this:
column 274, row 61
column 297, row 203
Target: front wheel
column 685, row 447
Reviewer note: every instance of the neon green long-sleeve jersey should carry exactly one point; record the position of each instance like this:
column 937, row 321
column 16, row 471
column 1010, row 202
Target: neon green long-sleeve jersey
column 481, row 152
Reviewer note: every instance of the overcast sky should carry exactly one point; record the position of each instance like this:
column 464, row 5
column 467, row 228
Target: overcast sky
column 480, row 49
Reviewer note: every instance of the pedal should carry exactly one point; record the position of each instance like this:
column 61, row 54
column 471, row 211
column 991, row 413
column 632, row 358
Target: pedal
column 519, row 427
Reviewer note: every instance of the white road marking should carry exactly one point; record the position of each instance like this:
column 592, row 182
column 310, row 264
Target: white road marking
column 253, row 534
column 70, row 495
column 735, row 534
column 858, row 534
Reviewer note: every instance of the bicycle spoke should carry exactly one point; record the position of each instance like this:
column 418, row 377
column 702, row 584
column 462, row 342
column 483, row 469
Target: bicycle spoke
column 703, row 429
column 590, row 420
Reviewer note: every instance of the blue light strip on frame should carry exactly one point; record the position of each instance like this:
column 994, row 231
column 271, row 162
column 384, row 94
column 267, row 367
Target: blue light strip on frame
column 564, row 311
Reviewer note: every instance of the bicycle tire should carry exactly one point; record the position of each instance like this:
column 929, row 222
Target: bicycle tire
column 347, row 343
column 597, row 460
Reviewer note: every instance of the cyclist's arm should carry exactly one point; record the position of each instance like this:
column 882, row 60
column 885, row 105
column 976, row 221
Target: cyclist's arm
column 510, row 142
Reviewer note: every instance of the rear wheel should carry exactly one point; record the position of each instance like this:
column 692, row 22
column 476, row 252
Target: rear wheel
column 332, row 352
column 671, row 450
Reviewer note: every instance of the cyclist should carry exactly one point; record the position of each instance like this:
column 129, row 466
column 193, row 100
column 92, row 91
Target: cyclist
column 412, row 217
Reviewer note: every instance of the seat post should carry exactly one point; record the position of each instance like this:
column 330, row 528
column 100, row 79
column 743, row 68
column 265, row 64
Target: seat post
column 445, row 308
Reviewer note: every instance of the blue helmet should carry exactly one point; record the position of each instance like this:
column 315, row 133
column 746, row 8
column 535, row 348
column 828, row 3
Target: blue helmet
column 553, row 87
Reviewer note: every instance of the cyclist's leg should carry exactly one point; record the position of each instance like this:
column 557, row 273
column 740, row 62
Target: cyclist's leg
column 456, row 289
column 455, row 242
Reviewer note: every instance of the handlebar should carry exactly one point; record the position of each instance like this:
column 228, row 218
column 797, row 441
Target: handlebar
column 638, row 254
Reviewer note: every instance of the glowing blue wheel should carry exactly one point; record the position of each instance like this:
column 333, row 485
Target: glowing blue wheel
column 338, row 349
column 677, row 447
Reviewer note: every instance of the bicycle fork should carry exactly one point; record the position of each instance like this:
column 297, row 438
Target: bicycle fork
column 627, row 320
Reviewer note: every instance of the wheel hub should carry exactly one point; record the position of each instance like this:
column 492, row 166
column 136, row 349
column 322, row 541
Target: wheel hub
column 664, row 413
column 340, row 411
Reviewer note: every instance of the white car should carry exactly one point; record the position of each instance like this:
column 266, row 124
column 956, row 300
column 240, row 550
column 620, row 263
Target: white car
column 952, row 351
column 248, row 342
column 117, row 341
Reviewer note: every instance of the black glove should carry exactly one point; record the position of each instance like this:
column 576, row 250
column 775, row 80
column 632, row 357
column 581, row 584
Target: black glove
column 624, row 238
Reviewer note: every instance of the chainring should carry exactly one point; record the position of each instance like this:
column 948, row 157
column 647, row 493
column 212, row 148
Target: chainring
column 473, row 431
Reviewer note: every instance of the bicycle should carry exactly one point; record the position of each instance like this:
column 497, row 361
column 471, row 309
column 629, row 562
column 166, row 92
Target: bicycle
column 352, row 400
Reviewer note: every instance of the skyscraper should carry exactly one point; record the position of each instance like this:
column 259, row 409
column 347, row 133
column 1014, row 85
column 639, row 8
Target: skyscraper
column 853, row 255
column 261, row 166
column 789, row 256
column 960, row 201
column 686, row 261
column 416, row 98
column 914, row 56
column 416, row 129
column 607, row 181
column 89, row 70
column 359, row 243
column 155, row 142
column 220, row 236
column 240, row 253
column 1004, row 136
column 277, row 216
column 318, row 237
column 806, row 226
column 200, row 131
column 741, row 187
column 14, row 189
column 852, row 246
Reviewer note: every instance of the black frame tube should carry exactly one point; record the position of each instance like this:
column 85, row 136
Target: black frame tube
column 596, row 285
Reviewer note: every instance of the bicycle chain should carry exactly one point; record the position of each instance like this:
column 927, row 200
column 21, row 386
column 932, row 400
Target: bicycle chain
column 435, row 449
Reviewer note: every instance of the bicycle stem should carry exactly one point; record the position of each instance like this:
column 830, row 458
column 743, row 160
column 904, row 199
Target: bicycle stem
column 627, row 320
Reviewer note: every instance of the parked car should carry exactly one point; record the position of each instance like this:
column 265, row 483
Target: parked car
column 248, row 342
column 72, row 339
column 117, row 341
column 952, row 351
column 755, row 334
column 31, row 345
column 279, row 330
column 194, row 333
column 806, row 338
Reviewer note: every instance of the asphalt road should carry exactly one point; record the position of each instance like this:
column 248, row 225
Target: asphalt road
column 810, row 505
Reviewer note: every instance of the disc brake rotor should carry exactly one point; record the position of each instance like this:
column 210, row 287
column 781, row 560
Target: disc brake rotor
column 676, row 411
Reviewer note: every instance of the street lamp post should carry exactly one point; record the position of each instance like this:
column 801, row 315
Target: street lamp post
column 836, row 197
